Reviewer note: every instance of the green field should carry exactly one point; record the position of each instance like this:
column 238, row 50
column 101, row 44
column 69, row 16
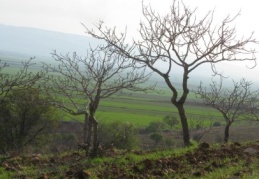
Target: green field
column 139, row 108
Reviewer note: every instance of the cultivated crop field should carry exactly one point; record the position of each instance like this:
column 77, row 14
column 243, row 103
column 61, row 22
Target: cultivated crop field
column 137, row 108
column 141, row 109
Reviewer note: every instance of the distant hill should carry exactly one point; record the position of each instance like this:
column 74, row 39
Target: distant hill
column 37, row 42
column 23, row 43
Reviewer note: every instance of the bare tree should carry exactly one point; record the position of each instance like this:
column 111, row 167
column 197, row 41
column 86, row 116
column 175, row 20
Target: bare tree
column 23, row 78
column 80, row 83
column 179, row 40
column 236, row 103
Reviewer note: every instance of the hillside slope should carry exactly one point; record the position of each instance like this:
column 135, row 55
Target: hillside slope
column 38, row 42
column 203, row 161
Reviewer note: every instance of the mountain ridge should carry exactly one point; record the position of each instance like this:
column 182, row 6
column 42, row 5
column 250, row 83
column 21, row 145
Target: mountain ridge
column 39, row 42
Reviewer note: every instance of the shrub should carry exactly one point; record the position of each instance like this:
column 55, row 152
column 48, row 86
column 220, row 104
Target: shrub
column 169, row 142
column 218, row 139
column 216, row 124
column 121, row 135
column 199, row 126
column 24, row 115
column 197, row 137
column 155, row 126
column 171, row 121
column 156, row 137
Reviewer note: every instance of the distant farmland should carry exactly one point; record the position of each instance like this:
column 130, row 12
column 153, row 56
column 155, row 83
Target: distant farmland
column 137, row 108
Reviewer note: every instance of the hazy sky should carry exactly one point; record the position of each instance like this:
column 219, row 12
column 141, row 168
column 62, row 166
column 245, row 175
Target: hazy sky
column 66, row 15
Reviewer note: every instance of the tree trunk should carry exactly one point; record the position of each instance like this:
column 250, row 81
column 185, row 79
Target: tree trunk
column 89, row 132
column 95, row 138
column 179, row 104
column 227, row 132
column 86, row 128
column 94, row 124
column 185, row 127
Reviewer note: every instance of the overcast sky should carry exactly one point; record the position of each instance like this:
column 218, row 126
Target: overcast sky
column 66, row 15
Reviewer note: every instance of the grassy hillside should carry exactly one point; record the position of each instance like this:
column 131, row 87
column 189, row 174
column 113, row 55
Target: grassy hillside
column 234, row 160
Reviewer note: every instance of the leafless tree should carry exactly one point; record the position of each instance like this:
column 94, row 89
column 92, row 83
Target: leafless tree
column 23, row 78
column 235, row 103
column 80, row 83
column 179, row 40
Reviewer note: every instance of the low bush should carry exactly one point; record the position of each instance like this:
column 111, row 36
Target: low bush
column 156, row 126
column 121, row 135
column 24, row 115
column 156, row 137
column 216, row 124
column 171, row 121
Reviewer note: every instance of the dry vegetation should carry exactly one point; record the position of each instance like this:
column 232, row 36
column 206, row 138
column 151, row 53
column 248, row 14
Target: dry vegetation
column 207, row 159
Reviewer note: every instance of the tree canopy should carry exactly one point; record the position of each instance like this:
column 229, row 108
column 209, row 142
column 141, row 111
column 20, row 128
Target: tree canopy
column 180, row 40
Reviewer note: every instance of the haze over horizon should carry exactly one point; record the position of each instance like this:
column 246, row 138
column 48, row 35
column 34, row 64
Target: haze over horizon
column 62, row 19
column 25, row 42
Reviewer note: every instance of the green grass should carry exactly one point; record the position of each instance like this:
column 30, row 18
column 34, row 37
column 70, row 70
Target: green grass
column 5, row 174
column 141, row 110
column 138, row 108
column 230, row 171
column 131, row 157
column 191, row 162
